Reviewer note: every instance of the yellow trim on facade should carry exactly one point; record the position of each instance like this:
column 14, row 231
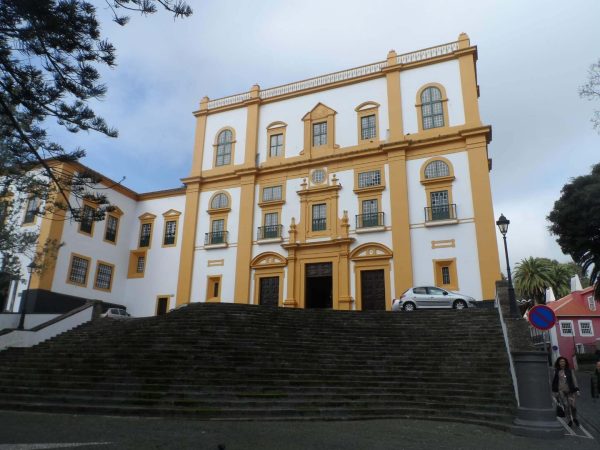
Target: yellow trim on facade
column 468, row 80
column 366, row 109
column 87, row 271
column 444, row 243
column 319, row 114
column 244, row 241
column 419, row 107
column 171, row 215
column 146, row 218
column 158, row 298
column 438, row 265
column 188, row 243
column 112, row 275
column 372, row 256
column 134, row 255
column 116, row 214
column 211, row 281
column 215, row 262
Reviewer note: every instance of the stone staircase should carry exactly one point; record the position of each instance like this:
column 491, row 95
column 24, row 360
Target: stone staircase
column 223, row 361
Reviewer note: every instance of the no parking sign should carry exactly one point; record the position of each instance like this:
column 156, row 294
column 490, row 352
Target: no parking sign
column 541, row 317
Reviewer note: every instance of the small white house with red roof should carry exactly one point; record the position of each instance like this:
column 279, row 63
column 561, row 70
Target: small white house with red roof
column 577, row 326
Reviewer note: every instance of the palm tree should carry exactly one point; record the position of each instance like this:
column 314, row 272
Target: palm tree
column 532, row 277
column 561, row 278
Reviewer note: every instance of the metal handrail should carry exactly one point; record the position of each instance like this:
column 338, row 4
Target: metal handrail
column 216, row 237
column 369, row 220
column 270, row 232
column 442, row 212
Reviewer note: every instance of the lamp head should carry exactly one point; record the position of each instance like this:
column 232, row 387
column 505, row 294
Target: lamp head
column 503, row 223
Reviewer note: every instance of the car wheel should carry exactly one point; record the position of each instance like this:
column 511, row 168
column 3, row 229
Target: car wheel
column 459, row 304
column 409, row 307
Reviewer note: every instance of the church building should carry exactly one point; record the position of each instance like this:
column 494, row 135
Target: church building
column 339, row 191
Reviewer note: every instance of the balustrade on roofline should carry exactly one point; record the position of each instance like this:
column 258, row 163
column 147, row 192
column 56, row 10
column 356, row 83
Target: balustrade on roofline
column 343, row 75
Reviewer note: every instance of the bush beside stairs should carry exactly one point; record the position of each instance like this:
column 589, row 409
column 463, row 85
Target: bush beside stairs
column 226, row 361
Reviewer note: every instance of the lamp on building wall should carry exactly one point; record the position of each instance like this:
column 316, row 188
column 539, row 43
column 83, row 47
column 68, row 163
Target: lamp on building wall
column 503, row 223
column 30, row 268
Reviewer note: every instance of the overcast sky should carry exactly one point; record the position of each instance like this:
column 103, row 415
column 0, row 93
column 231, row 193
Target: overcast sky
column 533, row 56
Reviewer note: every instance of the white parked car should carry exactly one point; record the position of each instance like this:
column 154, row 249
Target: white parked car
column 432, row 297
column 116, row 313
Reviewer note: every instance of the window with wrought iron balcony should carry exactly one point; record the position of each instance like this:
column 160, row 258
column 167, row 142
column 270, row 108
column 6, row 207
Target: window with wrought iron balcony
column 441, row 213
column 216, row 238
column 370, row 220
column 269, row 232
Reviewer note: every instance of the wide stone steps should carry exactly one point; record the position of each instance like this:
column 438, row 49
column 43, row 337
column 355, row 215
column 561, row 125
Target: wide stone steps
column 245, row 362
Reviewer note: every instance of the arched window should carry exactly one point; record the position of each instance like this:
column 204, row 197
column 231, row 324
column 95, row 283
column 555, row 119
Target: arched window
column 431, row 108
column 437, row 169
column 224, row 142
column 219, row 201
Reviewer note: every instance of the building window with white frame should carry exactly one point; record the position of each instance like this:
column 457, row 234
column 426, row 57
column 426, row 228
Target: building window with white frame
column 319, row 217
column 566, row 328
column 431, row 107
column 276, row 145
column 224, row 142
column 104, row 277
column 368, row 127
column 319, row 134
column 370, row 178
column 271, row 194
column 591, row 303
column 586, row 328
column 79, row 270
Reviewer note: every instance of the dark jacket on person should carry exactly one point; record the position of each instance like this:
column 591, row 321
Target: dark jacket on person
column 596, row 384
column 572, row 386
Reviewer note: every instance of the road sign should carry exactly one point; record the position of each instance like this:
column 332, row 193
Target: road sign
column 541, row 317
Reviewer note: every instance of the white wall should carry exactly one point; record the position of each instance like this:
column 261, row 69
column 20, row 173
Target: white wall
column 236, row 119
column 343, row 100
column 461, row 187
column 162, row 263
column 448, row 75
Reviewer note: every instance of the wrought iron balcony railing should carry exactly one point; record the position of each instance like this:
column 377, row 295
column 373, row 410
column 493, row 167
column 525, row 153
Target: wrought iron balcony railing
column 370, row 220
column 270, row 232
column 319, row 224
column 443, row 212
column 144, row 241
column 216, row 237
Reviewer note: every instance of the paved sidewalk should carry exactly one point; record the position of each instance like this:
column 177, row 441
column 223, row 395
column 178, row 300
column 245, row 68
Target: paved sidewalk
column 101, row 432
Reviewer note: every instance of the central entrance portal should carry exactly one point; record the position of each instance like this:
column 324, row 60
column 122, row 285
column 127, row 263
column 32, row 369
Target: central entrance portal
column 319, row 286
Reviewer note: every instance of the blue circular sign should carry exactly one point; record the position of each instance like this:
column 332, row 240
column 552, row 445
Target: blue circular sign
column 541, row 317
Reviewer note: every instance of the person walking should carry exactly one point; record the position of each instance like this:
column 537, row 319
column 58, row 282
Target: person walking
column 564, row 386
column 596, row 382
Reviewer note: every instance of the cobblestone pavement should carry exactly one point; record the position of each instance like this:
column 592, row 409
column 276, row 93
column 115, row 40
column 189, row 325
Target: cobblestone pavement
column 25, row 431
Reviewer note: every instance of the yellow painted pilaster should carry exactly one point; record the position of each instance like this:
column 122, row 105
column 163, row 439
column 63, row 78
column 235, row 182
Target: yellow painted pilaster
column 252, row 127
column 485, row 230
column 468, row 79
column 345, row 300
column 51, row 229
column 199, row 138
column 403, row 272
column 394, row 100
column 188, row 243
column 244, row 241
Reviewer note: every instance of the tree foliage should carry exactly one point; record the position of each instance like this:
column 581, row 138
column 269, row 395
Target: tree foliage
column 591, row 91
column 534, row 275
column 50, row 53
column 575, row 219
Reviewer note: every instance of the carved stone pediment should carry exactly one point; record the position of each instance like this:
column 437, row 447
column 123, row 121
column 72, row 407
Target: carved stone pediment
column 371, row 250
column 320, row 111
column 268, row 259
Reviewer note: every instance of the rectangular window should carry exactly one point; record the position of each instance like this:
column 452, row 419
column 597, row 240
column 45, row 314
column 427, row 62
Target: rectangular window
column 145, row 233
column 271, row 226
column 319, row 217
column 170, row 232
column 319, row 134
column 3, row 212
column 213, row 291
column 216, row 289
column 271, row 194
column 566, row 328
column 440, row 209
column 87, row 219
column 110, row 234
column 591, row 303
column 79, row 270
column 368, row 179
column 276, row 145
column 140, row 264
column 446, row 275
column 271, row 219
column 369, row 217
column 104, row 277
column 217, row 235
column 33, row 205
column 585, row 328
column 367, row 127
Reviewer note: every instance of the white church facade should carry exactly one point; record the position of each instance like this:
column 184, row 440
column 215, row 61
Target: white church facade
column 341, row 191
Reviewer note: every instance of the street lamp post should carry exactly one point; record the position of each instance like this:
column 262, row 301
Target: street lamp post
column 503, row 223
column 30, row 268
